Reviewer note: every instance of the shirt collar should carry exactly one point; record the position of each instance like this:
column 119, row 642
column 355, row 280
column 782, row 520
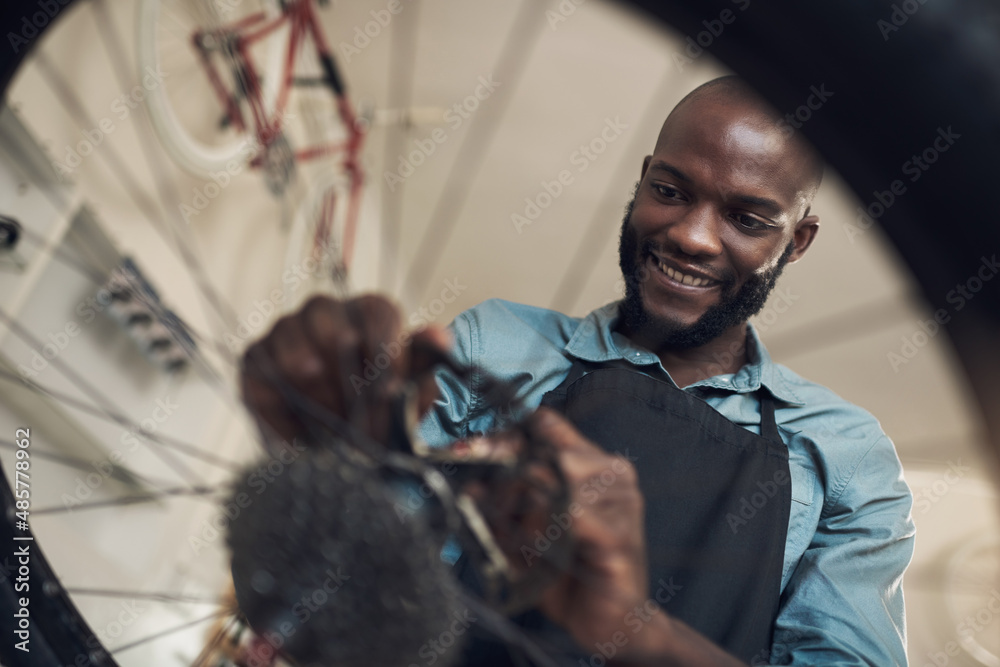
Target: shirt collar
column 595, row 339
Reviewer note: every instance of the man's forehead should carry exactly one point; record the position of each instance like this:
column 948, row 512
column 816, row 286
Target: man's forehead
column 724, row 122
column 736, row 142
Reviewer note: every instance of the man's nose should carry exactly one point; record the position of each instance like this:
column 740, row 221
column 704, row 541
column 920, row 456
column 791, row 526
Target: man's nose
column 696, row 232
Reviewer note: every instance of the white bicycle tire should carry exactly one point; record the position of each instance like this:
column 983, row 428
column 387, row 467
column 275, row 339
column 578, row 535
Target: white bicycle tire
column 981, row 556
column 195, row 156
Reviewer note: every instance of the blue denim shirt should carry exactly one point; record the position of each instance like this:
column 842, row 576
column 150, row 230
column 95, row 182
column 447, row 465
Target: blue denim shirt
column 850, row 532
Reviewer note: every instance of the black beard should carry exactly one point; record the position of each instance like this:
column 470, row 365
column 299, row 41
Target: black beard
column 735, row 306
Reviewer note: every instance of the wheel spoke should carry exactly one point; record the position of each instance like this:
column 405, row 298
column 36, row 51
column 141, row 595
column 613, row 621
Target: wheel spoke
column 89, row 390
column 120, row 472
column 510, row 66
column 142, row 595
column 197, row 492
column 98, row 278
column 170, row 631
column 113, row 416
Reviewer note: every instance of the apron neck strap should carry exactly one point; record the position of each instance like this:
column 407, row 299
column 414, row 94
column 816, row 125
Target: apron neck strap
column 768, row 424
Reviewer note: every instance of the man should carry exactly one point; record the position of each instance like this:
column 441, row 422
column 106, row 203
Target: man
column 732, row 512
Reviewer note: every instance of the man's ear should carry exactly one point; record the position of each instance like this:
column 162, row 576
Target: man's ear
column 645, row 166
column 802, row 237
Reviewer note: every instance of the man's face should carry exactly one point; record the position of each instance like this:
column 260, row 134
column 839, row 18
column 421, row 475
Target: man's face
column 716, row 216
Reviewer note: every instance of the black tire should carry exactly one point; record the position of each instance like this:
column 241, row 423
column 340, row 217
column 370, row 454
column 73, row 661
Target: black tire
column 58, row 634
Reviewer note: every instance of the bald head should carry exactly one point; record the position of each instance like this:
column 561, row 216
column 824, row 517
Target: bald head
column 731, row 100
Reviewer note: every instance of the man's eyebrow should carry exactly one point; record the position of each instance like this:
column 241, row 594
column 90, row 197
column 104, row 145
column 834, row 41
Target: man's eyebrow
column 771, row 206
column 761, row 202
column 660, row 165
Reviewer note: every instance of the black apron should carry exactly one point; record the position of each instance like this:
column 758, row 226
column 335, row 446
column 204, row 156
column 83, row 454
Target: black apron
column 717, row 500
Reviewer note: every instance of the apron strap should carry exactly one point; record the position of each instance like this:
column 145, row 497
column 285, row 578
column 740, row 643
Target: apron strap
column 582, row 366
column 768, row 425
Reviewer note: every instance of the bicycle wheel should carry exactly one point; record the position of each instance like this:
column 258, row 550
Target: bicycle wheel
column 205, row 124
column 971, row 580
column 236, row 245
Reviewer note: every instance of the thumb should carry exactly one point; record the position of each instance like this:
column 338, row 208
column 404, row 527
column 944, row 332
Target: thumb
column 550, row 426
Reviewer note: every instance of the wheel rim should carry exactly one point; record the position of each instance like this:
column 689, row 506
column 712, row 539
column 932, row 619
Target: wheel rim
column 191, row 133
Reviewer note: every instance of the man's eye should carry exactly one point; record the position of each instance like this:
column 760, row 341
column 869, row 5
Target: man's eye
column 667, row 191
column 750, row 222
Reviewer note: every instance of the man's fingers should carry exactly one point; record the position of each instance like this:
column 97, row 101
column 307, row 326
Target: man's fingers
column 601, row 479
column 262, row 398
column 502, row 447
column 349, row 357
column 298, row 362
column 330, row 333
column 549, row 426
column 575, row 449
column 426, row 348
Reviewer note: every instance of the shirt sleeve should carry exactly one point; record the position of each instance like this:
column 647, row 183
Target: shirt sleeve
column 448, row 418
column 844, row 602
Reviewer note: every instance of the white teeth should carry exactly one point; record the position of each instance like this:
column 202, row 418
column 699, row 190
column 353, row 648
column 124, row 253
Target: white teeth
column 682, row 277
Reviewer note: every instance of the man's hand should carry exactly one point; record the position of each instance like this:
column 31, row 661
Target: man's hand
column 351, row 358
column 348, row 357
column 607, row 576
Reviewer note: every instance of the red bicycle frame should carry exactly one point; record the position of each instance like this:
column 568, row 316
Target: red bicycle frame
column 238, row 38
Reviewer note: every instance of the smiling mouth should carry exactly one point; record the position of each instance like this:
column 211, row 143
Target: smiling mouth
column 682, row 278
